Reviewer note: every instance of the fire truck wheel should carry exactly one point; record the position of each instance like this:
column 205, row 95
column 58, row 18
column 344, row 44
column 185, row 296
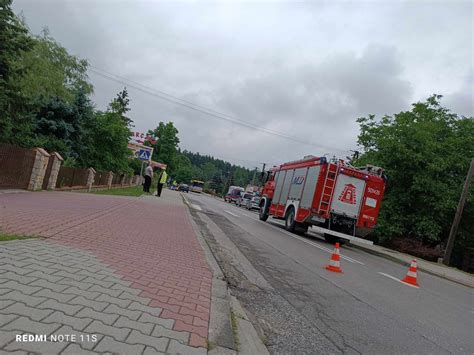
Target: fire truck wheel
column 263, row 211
column 301, row 228
column 290, row 223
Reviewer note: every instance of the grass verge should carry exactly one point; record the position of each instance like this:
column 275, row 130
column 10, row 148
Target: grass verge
column 126, row 191
column 6, row 237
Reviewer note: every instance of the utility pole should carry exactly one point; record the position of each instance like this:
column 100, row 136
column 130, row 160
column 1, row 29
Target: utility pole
column 457, row 216
column 254, row 173
column 263, row 174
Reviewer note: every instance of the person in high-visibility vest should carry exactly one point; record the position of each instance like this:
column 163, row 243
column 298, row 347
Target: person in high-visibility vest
column 161, row 181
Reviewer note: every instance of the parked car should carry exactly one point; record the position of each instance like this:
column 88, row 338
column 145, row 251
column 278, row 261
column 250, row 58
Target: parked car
column 244, row 198
column 183, row 188
column 233, row 194
column 253, row 203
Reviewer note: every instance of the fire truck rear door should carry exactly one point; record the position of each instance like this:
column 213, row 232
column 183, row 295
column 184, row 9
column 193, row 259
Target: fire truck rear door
column 347, row 196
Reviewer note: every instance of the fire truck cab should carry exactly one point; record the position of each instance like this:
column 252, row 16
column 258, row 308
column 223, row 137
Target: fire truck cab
column 338, row 200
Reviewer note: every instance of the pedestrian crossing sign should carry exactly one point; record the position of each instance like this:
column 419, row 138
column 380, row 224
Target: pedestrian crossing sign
column 144, row 154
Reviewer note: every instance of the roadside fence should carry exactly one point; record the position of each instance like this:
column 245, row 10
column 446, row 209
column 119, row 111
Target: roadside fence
column 36, row 169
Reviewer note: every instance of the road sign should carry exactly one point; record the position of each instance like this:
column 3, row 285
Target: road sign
column 144, row 154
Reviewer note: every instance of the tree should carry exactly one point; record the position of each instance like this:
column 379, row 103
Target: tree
column 165, row 149
column 426, row 153
column 209, row 170
column 51, row 72
column 108, row 134
column 119, row 105
column 14, row 42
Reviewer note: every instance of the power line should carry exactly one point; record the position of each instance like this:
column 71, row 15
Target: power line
column 210, row 112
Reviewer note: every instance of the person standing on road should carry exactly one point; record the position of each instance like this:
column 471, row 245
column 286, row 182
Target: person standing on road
column 148, row 177
column 161, row 181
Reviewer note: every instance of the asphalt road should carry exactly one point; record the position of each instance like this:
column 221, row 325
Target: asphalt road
column 303, row 308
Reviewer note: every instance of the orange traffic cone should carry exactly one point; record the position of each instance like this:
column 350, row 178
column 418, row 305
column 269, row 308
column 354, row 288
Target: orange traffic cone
column 334, row 263
column 410, row 279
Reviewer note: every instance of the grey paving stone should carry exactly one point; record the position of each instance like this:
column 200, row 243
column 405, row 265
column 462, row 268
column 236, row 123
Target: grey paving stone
column 68, row 275
column 26, row 325
column 125, row 288
column 154, row 311
column 7, row 318
column 124, row 322
column 117, row 281
column 114, row 300
column 68, row 309
column 96, row 281
column 128, row 296
column 104, row 317
column 151, row 351
column 32, row 300
column 56, row 287
column 97, row 306
column 84, row 340
column 75, row 349
column 147, row 318
column 69, row 282
column 79, row 292
column 25, row 289
column 15, row 269
column 59, row 265
column 108, row 344
column 46, row 347
column 33, row 258
column 114, row 309
column 21, row 352
column 136, row 337
column 88, row 273
column 6, row 303
column 45, row 276
column 108, row 291
column 10, row 275
column 161, row 331
column 7, row 337
column 75, row 322
column 23, row 310
column 175, row 347
column 15, row 262
column 97, row 327
column 43, row 269
column 60, row 297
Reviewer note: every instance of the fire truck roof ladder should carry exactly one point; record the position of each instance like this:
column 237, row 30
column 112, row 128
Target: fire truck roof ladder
column 328, row 189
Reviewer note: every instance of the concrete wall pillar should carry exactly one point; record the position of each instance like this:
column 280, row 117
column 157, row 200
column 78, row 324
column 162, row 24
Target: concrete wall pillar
column 109, row 179
column 53, row 177
column 90, row 179
column 39, row 169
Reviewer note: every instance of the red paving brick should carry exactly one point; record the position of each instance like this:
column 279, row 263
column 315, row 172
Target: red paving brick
column 149, row 242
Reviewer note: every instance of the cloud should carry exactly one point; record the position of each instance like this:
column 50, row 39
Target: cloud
column 305, row 69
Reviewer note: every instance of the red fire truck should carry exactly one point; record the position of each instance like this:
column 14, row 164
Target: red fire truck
column 338, row 200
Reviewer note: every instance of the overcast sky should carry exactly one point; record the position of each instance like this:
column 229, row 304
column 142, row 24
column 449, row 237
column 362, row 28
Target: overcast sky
column 305, row 69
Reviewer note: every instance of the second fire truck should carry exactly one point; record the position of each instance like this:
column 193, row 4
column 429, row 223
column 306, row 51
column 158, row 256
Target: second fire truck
column 338, row 200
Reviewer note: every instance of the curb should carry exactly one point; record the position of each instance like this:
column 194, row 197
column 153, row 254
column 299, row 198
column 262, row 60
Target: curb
column 228, row 334
column 405, row 263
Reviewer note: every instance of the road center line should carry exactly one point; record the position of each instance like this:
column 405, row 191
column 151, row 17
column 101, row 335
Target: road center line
column 309, row 242
column 394, row 278
column 233, row 214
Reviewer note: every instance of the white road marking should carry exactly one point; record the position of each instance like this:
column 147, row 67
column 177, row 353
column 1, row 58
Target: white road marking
column 309, row 242
column 233, row 214
column 394, row 278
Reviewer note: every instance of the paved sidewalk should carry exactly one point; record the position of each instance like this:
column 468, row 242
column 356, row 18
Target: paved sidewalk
column 129, row 271
column 441, row 270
